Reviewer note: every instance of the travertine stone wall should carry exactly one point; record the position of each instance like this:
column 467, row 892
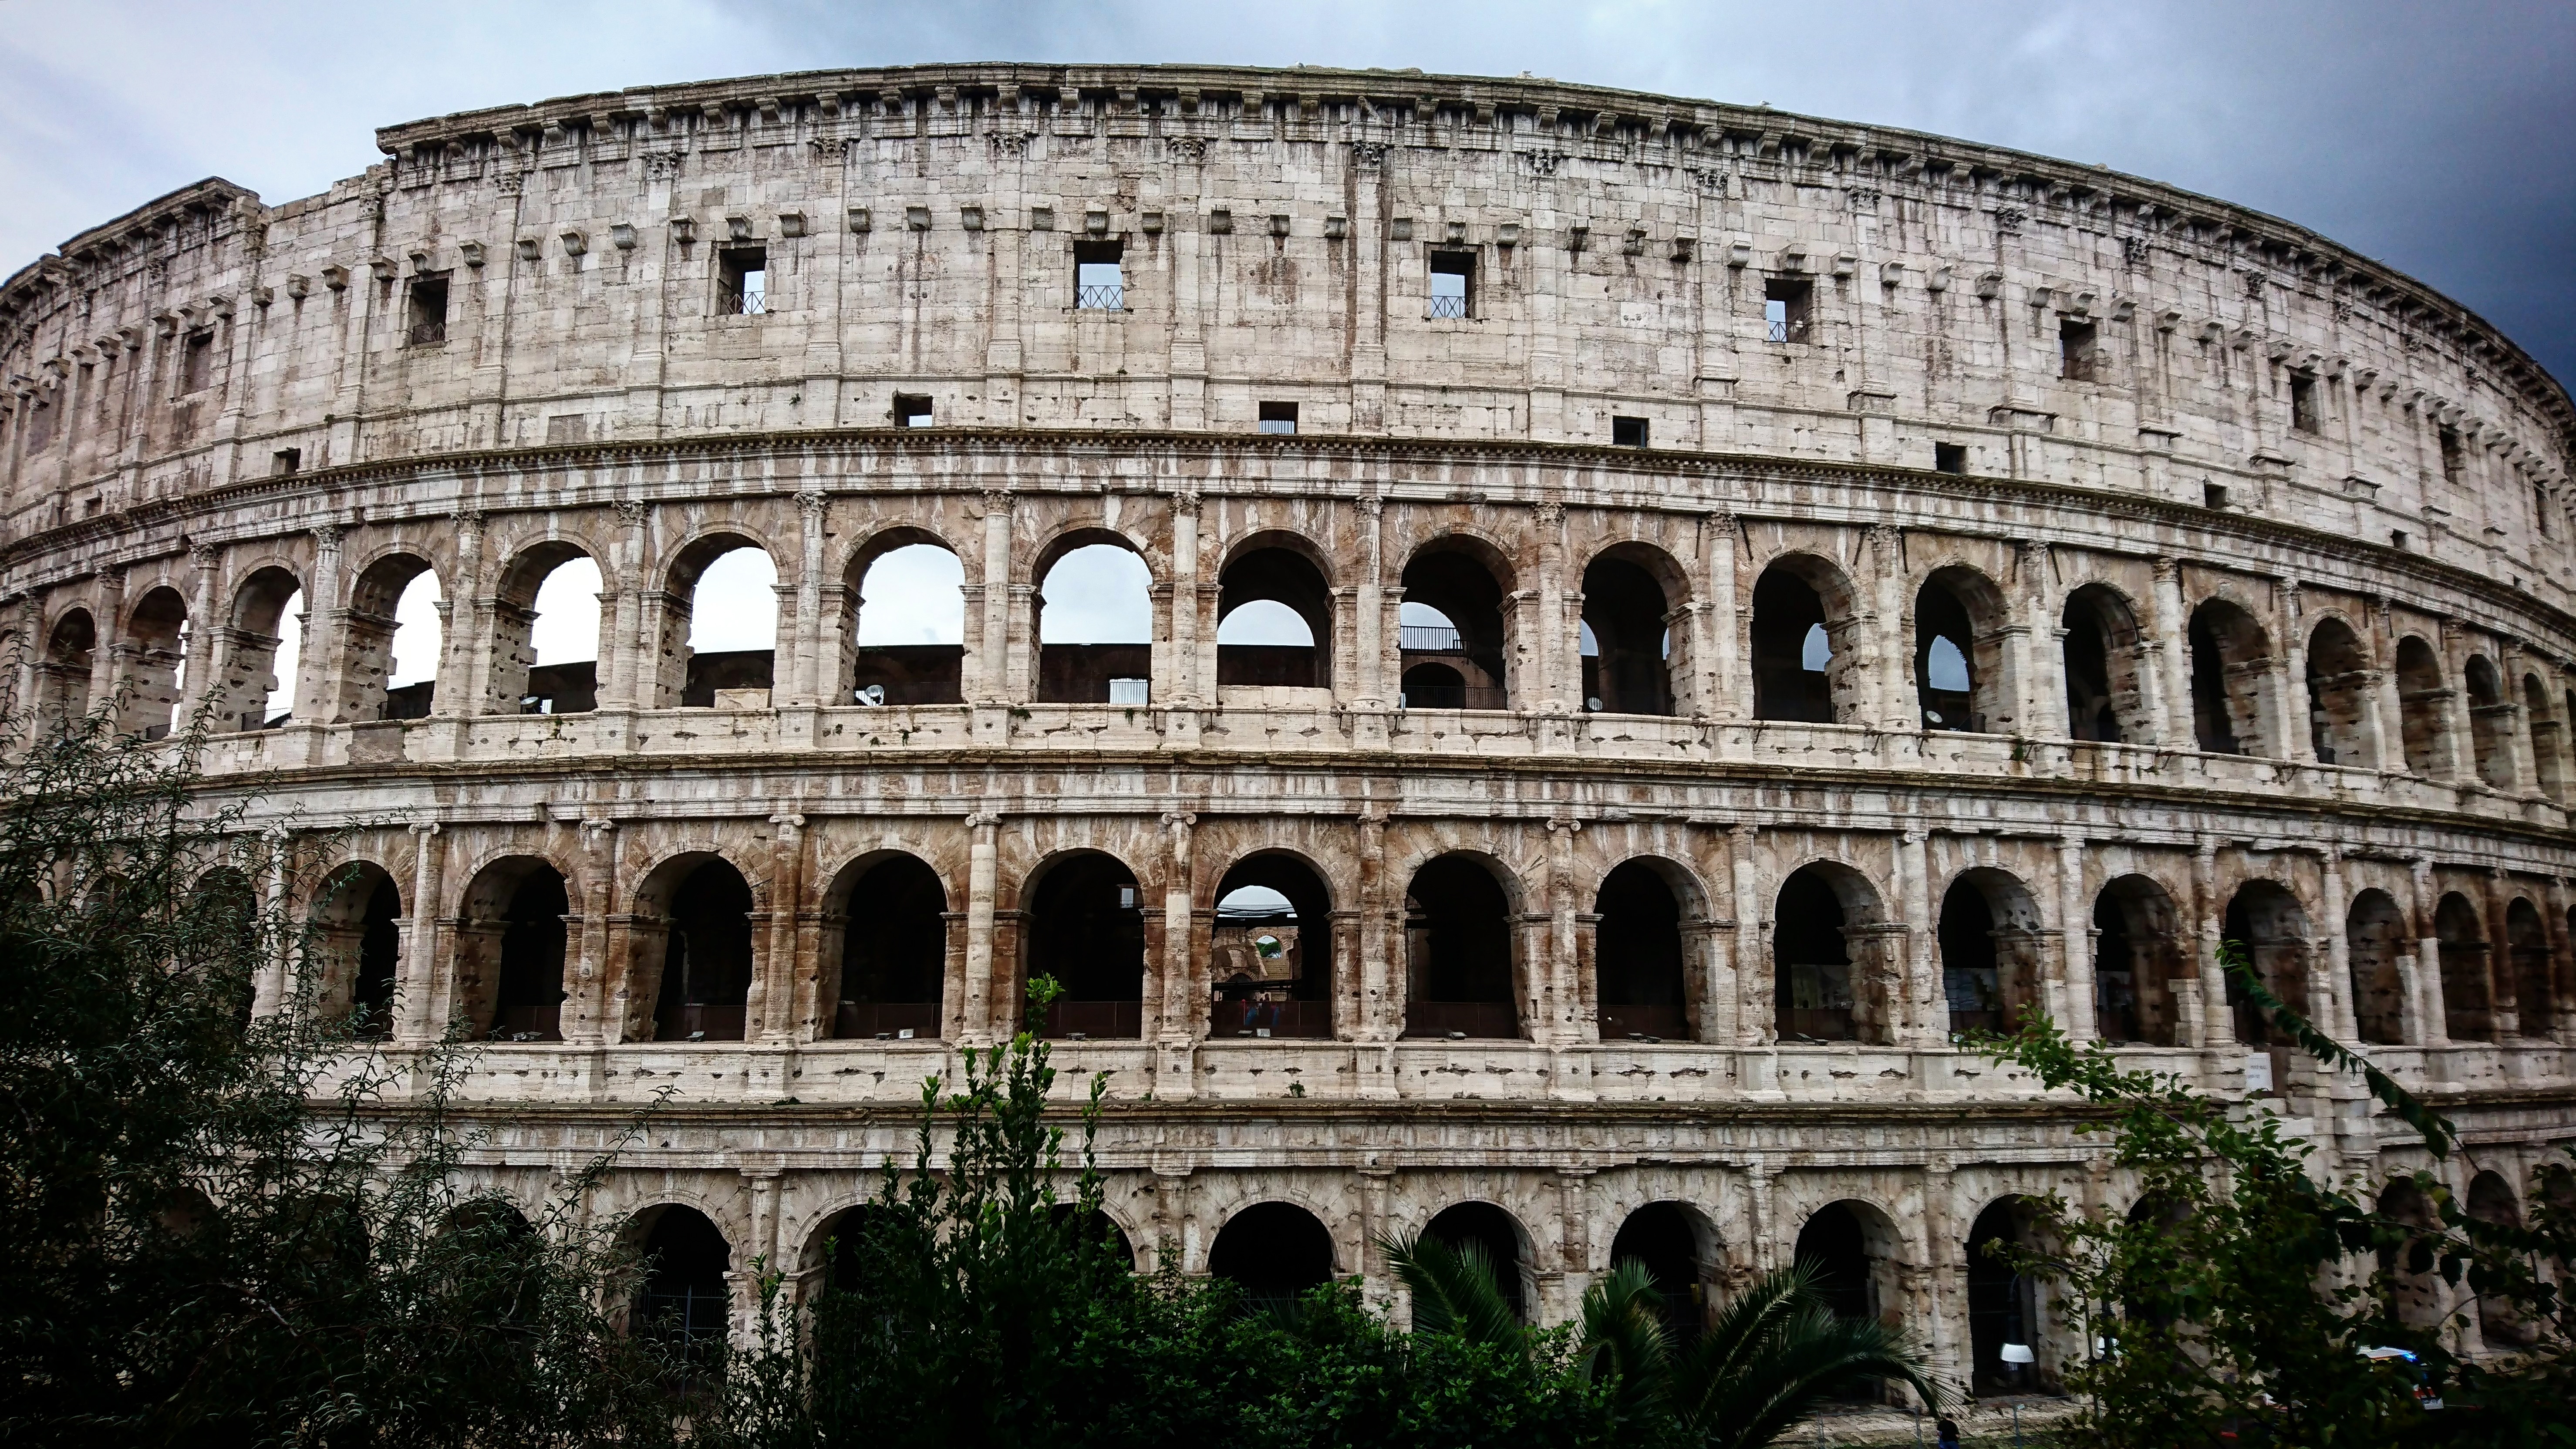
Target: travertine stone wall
column 212, row 404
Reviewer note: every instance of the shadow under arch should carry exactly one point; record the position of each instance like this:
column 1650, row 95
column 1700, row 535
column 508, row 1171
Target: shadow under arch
column 1462, row 967
column 886, row 979
column 1271, row 949
column 1832, row 977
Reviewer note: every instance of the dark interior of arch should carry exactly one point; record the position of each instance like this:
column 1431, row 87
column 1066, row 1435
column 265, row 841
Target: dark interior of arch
column 2002, row 1304
column 2215, row 716
column 1284, row 576
column 155, row 641
column 1490, row 1230
column 63, row 677
column 2422, row 701
column 706, row 975
column 2092, row 711
column 2336, row 686
column 1287, row 994
column 1786, row 609
column 1096, row 1227
column 684, row 1304
column 1945, row 660
column 2527, row 940
column 894, row 952
column 2468, row 1013
column 1637, row 956
column 1660, row 1236
column 2374, row 940
column 2267, row 920
column 1626, row 608
column 530, row 1004
column 379, row 953
column 1087, row 930
column 1833, row 1243
column 2135, row 960
column 1458, row 952
column 846, row 1249
column 1811, row 962
column 1971, row 979
column 1467, row 594
column 1273, row 1251
column 2490, row 723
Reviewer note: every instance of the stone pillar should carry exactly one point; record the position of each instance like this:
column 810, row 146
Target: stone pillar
column 269, row 992
column 2501, row 984
column 2562, row 965
column 1728, row 692
column 2171, row 646
column 2218, row 1024
column 107, row 615
column 626, row 656
column 2290, row 680
column 995, row 667
column 1757, row 1015
column 2463, row 725
column 415, row 1003
column 585, row 1021
column 778, row 982
column 1549, row 644
column 1180, row 1006
column 1369, row 682
column 808, row 683
column 2075, row 932
column 2517, row 732
column 1377, row 1280
column 979, row 1015
column 1565, row 993
column 1896, row 708
column 2338, row 1012
column 326, row 617
column 1761, row 1216
column 2388, row 708
column 1922, row 1019
column 2424, row 984
column 1380, row 1014
column 1574, row 1240
column 204, row 628
column 1181, row 686
column 1944, row 1256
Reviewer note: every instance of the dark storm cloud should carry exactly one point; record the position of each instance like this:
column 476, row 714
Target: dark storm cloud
column 2439, row 138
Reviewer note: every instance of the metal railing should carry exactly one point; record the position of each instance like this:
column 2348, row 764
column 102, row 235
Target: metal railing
column 1257, row 1018
column 1453, row 696
column 1490, row 1019
column 1101, row 297
column 1428, row 638
column 1448, row 307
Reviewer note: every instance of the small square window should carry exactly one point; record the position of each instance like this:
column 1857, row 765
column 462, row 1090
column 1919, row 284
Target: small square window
column 2078, row 357
column 2213, row 495
column 2397, row 538
column 1278, row 417
column 1453, row 284
column 1099, row 276
column 2303, row 401
column 1949, row 457
column 1788, row 307
column 742, row 281
column 425, row 319
column 911, row 410
column 286, row 462
column 1627, row 432
column 197, row 362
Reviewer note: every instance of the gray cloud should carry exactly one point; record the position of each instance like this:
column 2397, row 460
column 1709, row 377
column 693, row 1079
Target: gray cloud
column 2433, row 137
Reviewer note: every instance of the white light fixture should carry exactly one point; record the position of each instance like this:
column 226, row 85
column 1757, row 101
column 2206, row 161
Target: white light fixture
column 2019, row 1353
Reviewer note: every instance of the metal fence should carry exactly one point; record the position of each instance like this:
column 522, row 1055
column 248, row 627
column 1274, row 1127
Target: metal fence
column 1428, row 638
column 1101, row 297
column 1448, row 307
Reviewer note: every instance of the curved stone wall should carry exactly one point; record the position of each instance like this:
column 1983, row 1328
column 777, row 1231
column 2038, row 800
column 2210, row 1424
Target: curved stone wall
column 1888, row 582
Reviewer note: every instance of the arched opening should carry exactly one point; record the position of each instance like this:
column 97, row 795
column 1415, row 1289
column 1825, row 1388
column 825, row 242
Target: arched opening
column 1799, row 673
column 2408, row 1266
column 390, row 644
column 2468, row 1009
column 1637, row 959
column 156, row 653
column 706, row 959
column 357, row 946
column 228, row 948
column 1458, row 952
column 720, row 626
column 1274, row 624
column 1829, row 977
column 1273, row 1251
column 2267, row 920
column 684, row 1305
column 1958, row 653
column 2544, row 729
column 1451, row 623
column 62, row 680
column 510, row 950
column 1498, row 1235
column 2137, row 956
column 1097, row 1227
column 2535, row 1005
column 837, row 1252
column 2423, row 706
column 2491, row 1201
column 2229, row 658
column 2003, row 1305
column 888, row 918
column 2490, row 723
column 2375, row 940
column 2339, row 685
column 1095, row 607
column 1628, row 615
column 1851, row 1248
column 1270, row 951
column 907, row 623
column 1989, row 940
column 545, row 633
column 1086, row 928
column 2103, row 699
column 257, row 687
column 1674, row 1244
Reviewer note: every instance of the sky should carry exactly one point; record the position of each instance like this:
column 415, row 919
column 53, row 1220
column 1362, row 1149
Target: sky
column 2439, row 138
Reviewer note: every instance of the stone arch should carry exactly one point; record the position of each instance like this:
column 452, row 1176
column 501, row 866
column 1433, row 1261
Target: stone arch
column 2468, row 1000
column 1805, row 635
column 2339, row 688
column 2106, row 695
column 1857, row 1254
column 1272, row 970
column 2231, row 657
column 251, row 643
column 2138, row 956
column 1088, row 671
column 684, row 677
column 353, row 962
column 1284, row 571
column 2535, row 1002
column 2544, row 729
column 1640, row 958
column 519, row 682
column 2266, row 917
column 1274, row 1251
column 1959, row 665
column 884, row 670
column 1506, row 1244
column 359, row 686
column 692, row 951
column 2407, row 1263
column 154, row 653
column 2003, row 1304
column 683, row 1299
column 2423, row 707
column 1833, row 958
column 1988, row 936
column 1467, row 582
column 2490, row 722
column 1086, row 927
column 1679, row 1246
column 63, row 676
column 513, row 940
column 2377, row 943
column 2491, row 1201
column 1634, row 595
column 1466, row 970
column 887, row 979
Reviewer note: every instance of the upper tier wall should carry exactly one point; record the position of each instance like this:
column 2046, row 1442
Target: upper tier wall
column 1278, row 227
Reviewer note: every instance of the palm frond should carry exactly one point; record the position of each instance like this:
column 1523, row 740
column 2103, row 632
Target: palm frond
column 1776, row 1353
column 1624, row 1339
column 1454, row 1290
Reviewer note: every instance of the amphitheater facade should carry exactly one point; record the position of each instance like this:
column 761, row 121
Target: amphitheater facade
column 1778, row 592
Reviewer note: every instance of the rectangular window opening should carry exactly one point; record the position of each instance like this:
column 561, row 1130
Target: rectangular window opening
column 1627, row 432
column 2397, row 538
column 742, row 281
column 1279, row 417
column 1788, row 307
column 911, row 410
column 2540, row 508
column 2452, row 459
column 2303, row 401
column 1453, row 284
column 1949, row 457
column 2213, row 495
column 1099, row 276
column 2077, row 360
column 197, row 362
column 426, row 318
column 286, row 462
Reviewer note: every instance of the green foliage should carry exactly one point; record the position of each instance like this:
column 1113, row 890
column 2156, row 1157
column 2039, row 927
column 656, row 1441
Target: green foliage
column 2240, row 1295
column 1776, row 1352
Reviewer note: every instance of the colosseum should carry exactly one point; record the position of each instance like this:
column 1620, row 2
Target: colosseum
column 1593, row 634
